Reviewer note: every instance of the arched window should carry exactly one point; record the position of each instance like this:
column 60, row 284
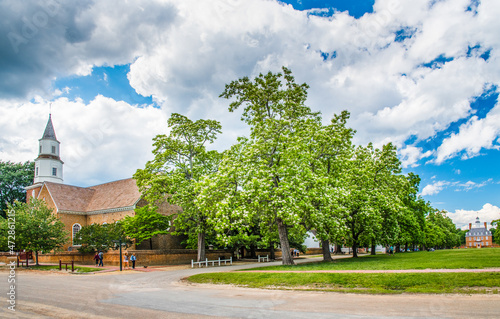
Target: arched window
column 76, row 228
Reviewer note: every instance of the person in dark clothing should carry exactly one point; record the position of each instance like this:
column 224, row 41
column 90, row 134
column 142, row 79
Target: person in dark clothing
column 96, row 258
column 133, row 259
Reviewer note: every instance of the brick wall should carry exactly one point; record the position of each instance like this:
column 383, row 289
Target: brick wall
column 148, row 258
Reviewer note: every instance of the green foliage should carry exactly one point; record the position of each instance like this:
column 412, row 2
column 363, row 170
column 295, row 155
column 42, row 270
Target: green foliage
column 4, row 230
column 265, row 173
column 496, row 231
column 440, row 232
column 38, row 229
column 145, row 224
column 13, row 178
column 181, row 161
column 98, row 237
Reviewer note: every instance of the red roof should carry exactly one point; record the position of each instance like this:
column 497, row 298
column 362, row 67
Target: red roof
column 118, row 194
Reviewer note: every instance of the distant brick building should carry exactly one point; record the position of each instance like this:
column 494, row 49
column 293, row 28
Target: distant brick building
column 82, row 206
column 478, row 236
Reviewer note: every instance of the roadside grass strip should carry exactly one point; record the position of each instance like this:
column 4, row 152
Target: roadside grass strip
column 78, row 269
column 379, row 283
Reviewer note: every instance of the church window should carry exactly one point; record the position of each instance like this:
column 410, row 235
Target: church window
column 53, row 149
column 36, row 171
column 40, row 148
column 54, row 171
column 76, row 228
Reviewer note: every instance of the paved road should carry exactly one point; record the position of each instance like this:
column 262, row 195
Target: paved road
column 161, row 294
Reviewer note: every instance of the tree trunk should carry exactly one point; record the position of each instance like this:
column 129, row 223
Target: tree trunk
column 325, row 245
column 201, row 246
column 354, row 248
column 253, row 255
column 286, row 256
column 373, row 249
column 338, row 248
column 36, row 257
column 151, row 243
column 271, row 248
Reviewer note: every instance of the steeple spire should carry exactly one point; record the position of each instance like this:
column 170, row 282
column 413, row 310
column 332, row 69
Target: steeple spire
column 48, row 164
column 49, row 132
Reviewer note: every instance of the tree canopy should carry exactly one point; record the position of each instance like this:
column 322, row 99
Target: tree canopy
column 181, row 160
column 38, row 229
column 13, row 178
column 292, row 174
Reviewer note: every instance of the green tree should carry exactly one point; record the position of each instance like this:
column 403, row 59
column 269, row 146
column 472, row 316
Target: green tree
column 4, row 230
column 98, row 237
column 328, row 152
column 181, row 161
column 370, row 187
column 38, row 229
column 145, row 224
column 273, row 167
column 495, row 231
column 13, row 178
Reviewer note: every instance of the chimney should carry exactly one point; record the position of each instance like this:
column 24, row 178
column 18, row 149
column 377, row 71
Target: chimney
column 485, row 225
column 470, row 226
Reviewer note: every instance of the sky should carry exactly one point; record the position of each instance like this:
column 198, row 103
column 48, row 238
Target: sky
column 422, row 74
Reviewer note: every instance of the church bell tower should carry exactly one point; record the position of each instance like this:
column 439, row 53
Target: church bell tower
column 48, row 164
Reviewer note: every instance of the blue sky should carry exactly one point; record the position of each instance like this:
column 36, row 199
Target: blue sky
column 424, row 75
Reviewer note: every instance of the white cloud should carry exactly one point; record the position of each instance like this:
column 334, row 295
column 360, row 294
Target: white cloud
column 471, row 185
column 473, row 136
column 110, row 142
column 183, row 52
column 487, row 213
column 434, row 188
column 410, row 155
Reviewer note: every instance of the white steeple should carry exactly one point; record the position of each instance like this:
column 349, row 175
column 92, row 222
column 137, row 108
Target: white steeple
column 48, row 164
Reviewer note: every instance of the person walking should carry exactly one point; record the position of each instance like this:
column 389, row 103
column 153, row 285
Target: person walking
column 101, row 257
column 96, row 258
column 132, row 259
column 125, row 261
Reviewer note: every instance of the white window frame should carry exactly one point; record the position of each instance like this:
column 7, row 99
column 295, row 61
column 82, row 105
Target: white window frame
column 73, row 232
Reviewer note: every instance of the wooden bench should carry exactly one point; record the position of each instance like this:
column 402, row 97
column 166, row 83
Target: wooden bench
column 206, row 262
column 72, row 263
column 264, row 258
column 23, row 259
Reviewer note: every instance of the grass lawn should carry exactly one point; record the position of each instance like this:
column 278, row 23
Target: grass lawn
column 78, row 269
column 361, row 283
column 439, row 259
column 379, row 283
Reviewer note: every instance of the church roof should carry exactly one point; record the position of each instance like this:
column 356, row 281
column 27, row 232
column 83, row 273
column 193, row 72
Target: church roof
column 114, row 195
column 49, row 132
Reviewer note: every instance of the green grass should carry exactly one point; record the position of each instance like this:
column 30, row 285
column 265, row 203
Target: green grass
column 78, row 269
column 440, row 259
column 379, row 282
column 361, row 283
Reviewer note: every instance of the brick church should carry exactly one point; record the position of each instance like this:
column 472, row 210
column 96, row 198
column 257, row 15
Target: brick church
column 81, row 206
